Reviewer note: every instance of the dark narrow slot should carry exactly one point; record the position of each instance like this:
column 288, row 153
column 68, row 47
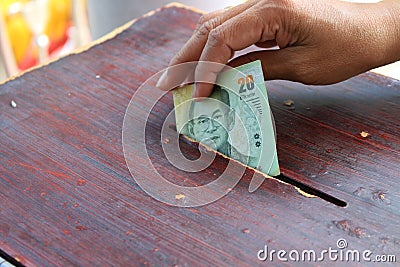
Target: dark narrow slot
column 311, row 190
column 305, row 188
column 10, row 259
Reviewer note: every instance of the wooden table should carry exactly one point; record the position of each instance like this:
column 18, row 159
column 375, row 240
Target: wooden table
column 67, row 197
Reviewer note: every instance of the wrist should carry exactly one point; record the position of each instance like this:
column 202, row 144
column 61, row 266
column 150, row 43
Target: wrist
column 382, row 22
column 394, row 22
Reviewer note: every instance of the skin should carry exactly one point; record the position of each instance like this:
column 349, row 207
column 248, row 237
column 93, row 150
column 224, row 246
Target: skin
column 320, row 42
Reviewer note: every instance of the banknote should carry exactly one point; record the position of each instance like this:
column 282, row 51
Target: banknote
column 235, row 120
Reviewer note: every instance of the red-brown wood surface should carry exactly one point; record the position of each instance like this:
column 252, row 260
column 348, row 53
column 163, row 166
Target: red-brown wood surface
column 67, row 197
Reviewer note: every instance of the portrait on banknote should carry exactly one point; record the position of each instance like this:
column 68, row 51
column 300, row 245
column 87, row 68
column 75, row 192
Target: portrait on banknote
column 234, row 120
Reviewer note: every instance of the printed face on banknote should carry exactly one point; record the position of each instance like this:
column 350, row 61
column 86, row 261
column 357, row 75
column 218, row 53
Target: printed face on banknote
column 235, row 120
column 211, row 120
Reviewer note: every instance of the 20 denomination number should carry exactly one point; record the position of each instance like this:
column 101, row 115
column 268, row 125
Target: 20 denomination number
column 246, row 84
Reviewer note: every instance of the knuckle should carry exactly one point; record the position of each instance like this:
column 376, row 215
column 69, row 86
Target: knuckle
column 201, row 21
column 215, row 37
column 208, row 26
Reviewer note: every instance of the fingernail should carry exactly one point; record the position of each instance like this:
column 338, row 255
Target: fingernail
column 163, row 81
column 194, row 94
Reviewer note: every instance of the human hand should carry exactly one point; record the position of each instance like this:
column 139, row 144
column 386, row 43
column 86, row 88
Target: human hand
column 320, row 42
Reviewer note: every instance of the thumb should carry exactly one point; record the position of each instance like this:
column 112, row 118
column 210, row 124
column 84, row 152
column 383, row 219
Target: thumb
column 277, row 64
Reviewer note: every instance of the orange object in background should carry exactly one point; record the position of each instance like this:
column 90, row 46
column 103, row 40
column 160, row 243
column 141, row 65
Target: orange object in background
column 21, row 38
column 58, row 23
column 18, row 31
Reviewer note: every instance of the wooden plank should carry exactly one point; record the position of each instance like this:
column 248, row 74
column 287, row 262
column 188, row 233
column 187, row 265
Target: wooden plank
column 68, row 198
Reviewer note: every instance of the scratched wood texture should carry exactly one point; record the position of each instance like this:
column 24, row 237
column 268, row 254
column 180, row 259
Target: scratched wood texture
column 67, row 197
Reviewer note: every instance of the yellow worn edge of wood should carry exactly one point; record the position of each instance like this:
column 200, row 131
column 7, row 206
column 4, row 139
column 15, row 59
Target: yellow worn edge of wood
column 224, row 156
column 255, row 170
column 304, row 193
column 104, row 38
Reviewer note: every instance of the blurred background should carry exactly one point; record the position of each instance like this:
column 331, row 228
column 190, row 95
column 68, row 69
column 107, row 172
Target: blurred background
column 34, row 31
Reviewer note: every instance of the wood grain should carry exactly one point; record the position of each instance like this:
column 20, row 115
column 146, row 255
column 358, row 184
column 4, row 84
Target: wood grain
column 68, row 199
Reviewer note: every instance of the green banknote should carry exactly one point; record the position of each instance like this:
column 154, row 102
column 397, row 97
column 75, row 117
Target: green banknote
column 235, row 120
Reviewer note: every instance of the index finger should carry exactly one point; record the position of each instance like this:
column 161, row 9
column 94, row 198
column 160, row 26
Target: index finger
column 193, row 48
column 235, row 34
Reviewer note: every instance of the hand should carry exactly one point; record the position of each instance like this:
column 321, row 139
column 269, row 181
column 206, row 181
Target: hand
column 320, row 42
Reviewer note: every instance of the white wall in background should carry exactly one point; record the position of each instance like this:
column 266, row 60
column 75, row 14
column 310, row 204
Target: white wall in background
column 106, row 15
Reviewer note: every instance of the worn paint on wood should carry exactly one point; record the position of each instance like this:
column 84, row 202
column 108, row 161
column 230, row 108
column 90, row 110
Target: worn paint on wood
column 67, row 197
